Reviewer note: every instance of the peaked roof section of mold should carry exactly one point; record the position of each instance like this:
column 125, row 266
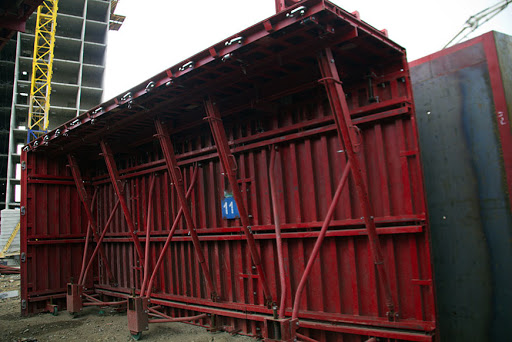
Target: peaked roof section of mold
column 261, row 63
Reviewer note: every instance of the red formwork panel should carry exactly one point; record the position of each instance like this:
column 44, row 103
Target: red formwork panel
column 247, row 154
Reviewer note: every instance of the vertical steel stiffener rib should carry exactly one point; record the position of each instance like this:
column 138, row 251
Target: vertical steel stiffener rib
column 177, row 179
column 229, row 164
column 148, row 235
column 343, row 121
column 84, row 197
column 119, row 189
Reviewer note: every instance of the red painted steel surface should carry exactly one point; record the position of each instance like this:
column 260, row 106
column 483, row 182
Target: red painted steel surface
column 270, row 99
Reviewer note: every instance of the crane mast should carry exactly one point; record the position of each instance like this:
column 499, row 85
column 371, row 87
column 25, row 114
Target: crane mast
column 477, row 20
column 40, row 85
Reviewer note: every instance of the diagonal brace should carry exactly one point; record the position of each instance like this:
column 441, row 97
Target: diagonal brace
column 169, row 238
column 84, row 197
column 98, row 245
column 229, row 164
column 87, row 239
column 177, row 179
column 341, row 114
column 120, row 192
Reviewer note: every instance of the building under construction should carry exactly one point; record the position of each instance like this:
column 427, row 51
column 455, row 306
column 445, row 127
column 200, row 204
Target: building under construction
column 76, row 85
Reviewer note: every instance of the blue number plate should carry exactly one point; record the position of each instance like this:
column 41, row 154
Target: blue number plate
column 229, row 208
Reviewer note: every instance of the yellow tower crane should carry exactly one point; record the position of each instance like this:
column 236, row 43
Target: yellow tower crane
column 40, row 87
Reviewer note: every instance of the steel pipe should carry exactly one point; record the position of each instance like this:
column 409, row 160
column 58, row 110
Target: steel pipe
column 98, row 244
column 84, row 198
column 169, row 237
column 177, row 178
column 178, row 319
column 228, row 162
column 346, row 134
column 87, row 238
column 105, row 303
column 305, row 338
column 118, row 188
column 319, row 240
column 279, row 242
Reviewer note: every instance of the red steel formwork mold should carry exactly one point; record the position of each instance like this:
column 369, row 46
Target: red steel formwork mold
column 270, row 185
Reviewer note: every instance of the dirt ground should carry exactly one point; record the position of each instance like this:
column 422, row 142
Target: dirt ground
column 90, row 326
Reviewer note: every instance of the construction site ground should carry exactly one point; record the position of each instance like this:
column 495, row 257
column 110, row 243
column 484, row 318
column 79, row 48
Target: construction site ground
column 90, row 326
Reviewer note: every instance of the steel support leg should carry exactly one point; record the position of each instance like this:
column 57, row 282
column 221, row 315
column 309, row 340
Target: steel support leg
column 229, row 164
column 74, row 302
column 84, row 197
column 344, row 126
column 177, row 179
column 137, row 313
column 119, row 189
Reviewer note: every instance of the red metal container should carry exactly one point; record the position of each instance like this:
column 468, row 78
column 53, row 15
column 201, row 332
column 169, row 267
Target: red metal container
column 270, row 185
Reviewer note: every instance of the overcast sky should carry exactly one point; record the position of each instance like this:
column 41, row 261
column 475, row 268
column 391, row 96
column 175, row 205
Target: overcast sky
column 158, row 34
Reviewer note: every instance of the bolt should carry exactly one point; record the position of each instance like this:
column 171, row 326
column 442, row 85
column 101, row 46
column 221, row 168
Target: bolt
column 332, row 60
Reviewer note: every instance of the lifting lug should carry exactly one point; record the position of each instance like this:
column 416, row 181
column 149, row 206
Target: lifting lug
column 299, row 10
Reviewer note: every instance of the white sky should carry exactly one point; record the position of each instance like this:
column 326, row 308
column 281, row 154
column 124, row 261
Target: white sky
column 158, row 34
